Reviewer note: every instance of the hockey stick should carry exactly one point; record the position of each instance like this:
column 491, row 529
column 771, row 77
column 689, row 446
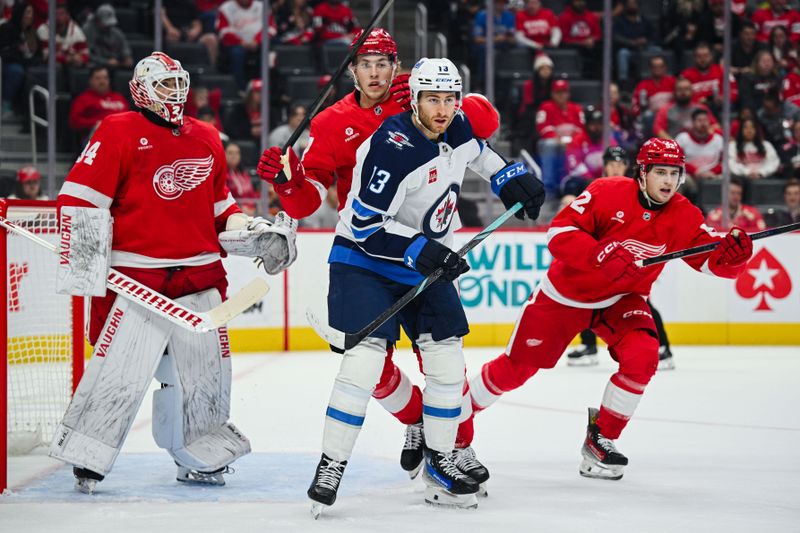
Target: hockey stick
column 346, row 341
column 387, row 4
column 196, row 321
column 703, row 248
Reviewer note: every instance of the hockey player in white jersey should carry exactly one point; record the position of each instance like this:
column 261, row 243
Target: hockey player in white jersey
column 395, row 229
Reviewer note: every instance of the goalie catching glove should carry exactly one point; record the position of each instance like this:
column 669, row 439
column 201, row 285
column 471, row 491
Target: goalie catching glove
column 513, row 184
column 273, row 243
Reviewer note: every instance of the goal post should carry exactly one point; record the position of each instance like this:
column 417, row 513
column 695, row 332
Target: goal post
column 43, row 343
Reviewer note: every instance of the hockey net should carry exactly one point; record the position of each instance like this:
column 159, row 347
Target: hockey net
column 44, row 335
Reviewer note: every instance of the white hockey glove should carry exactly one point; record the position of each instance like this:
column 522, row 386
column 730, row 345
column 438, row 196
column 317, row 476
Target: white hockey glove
column 272, row 243
column 84, row 251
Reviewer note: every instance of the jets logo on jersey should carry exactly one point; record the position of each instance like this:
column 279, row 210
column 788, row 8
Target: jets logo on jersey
column 398, row 139
column 438, row 218
column 170, row 181
column 642, row 250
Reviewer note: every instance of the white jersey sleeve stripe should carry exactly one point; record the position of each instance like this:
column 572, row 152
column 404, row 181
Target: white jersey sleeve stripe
column 222, row 205
column 552, row 232
column 84, row 192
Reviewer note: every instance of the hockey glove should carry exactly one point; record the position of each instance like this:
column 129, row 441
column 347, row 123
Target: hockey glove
column 272, row 244
column 400, row 91
column 734, row 250
column 425, row 256
column 284, row 172
column 515, row 184
column 616, row 262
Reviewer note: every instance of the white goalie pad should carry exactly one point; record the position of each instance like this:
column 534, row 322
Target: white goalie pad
column 190, row 411
column 273, row 243
column 84, row 251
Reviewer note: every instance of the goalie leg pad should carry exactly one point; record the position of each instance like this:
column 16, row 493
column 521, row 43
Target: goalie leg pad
column 191, row 410
column 443, row 363
column 113, row 386
column 84, row 250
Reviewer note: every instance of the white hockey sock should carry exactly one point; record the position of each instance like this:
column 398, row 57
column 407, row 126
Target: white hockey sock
column 620, row 402
column 482, row 393
column 343, row 420
column 396, row 394
column 441, row 411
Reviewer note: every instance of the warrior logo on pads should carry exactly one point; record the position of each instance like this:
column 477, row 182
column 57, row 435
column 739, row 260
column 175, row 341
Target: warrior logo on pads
column 170, row 181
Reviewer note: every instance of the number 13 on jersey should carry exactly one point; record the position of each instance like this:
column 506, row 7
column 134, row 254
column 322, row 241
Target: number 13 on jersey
column 378, row 185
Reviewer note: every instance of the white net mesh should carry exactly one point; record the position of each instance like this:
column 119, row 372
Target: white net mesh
column 39, row 333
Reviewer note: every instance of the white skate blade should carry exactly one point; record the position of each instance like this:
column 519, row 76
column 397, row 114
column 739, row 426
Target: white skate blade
column 598, row 470
column 585, row 360
column 191, row 477
column 316, row 509
column 85, row 485
column 666, row 364
column 482, row 492
column 441, row 498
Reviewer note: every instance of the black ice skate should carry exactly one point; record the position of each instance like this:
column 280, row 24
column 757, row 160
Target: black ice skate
column 583, row 356
column 412, row 456
column 195, row 477
column 600, row 456
column 326, row 483
column 665, row 360
column 467, row 462
column 85, row 479
column 446, row 485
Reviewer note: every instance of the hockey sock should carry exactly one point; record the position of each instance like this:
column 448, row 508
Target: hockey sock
column 397, row 395
column 343, row 420
column 440, row 413
column 620, row 399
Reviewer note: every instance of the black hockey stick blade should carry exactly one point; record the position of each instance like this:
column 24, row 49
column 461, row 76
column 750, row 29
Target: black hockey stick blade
column 346, row 341
column 703, row 248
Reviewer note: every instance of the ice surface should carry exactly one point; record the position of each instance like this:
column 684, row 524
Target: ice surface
column 712, row 448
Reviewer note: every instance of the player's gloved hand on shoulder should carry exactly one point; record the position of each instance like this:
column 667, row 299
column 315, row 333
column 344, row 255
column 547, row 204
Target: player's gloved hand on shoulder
column 515, row 184
column 400, row 91
column 616, row 262
column 284, row 172
column 425, row 256
column 734, row 250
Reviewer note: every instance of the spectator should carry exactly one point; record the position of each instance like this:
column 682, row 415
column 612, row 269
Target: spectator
column 762, row 81
column 19, row 49
column 790, row 153
column 239, row 26
column 94, row 104
column 208, row 14
column 744, row 113
column 293, row 19
column 580, row 29
column 503, row 34
column 677, row 116
column 706, row 79
column 246, row 119
column 711, row 25
column 782, row 49
column 703, row 148
column 744, row 216
column 29, row 184
column 200, row 97
column 537, row 26
column 750, row 156
column 334, row 22
column 327, row 216
column 615, row 161
column 558, row 122
column 770, row 116
column 534, row 91
column 71, row 47
column 653, row 93
column 679, row 26
column 206, row 114
column 585, row 153
column 777, row 14
column 744, row 50
column 181, row 21
column 108, row 46
column 633, row 34
column 239, row 182
column 332, row 96
column 790, row 213
column 622, row 119
column 281, row 134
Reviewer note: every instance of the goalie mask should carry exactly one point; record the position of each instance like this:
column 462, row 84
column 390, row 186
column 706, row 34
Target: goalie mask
column 161, row 85
column 438, row 75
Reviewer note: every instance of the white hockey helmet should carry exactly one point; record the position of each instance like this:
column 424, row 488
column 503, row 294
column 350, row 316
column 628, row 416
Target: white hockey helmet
column 434, row 74
column 149, row 88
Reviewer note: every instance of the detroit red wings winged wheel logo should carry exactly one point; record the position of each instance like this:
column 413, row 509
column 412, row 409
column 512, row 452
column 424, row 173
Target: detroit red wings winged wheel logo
column 764, row 275
column 170, row 181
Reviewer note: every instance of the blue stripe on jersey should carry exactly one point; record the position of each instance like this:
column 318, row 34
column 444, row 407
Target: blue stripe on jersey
column 362, row 210
column 352, row 256
column 362, row 234
column 347, row 418
column 440, row 412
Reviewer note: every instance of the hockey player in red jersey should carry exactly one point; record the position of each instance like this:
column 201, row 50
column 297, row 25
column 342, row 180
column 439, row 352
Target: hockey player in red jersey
column 594, row 280
column 336, row 133
column 161, row 176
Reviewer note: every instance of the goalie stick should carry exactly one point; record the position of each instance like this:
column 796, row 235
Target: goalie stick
column 703, row 248
column 346, row 341
column 196, row 321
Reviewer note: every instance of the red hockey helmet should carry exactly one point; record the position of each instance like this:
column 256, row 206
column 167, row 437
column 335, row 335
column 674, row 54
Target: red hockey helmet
column 378, row 42
column 658, row 151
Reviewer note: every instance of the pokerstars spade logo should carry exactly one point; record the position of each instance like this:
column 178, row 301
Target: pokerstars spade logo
column 437, row 219
column 764, row 276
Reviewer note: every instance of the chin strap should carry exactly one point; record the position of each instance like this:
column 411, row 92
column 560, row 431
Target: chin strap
column 643, row 188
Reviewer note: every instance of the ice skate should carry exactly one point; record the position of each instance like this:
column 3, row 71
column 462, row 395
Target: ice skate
column 584, row 355
column 601, row 459
column 467, row 462
column 85, row 480
column 412, row 455
column 194, row 477
column 665, row 360
column 446, row 485
column 326, row 484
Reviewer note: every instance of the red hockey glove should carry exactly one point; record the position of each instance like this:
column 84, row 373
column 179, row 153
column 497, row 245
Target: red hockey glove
column 400, row 91
column 616, row 262
column 272, row 165
column 734, row 250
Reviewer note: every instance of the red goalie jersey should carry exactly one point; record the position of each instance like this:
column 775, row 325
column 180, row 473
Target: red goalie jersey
column 613, row 209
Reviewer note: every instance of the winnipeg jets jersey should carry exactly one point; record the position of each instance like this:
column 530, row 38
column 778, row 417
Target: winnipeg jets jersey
column 405, row 185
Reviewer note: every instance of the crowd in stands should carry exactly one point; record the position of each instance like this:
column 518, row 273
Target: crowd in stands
column 668, row 79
